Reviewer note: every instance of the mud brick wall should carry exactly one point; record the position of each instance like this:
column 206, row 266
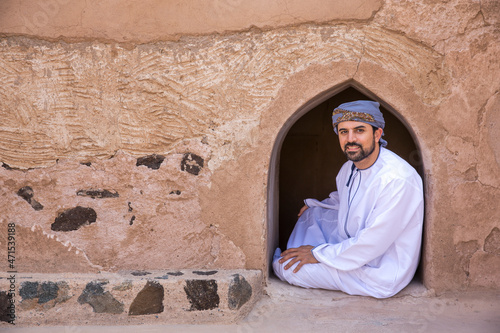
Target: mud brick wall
column 133, row 138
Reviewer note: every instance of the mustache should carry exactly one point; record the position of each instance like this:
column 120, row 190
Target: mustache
column 352, row 144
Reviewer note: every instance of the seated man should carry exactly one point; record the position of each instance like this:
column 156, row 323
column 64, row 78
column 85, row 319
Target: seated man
column 365, row 238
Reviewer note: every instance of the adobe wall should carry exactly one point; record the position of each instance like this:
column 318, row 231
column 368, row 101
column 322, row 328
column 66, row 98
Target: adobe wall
column 162, row 128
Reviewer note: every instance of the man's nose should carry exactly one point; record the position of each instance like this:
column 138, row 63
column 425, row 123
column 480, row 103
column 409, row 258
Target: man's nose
column 351, row 137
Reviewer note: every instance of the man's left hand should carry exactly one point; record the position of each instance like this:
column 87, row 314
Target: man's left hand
column 302, row 254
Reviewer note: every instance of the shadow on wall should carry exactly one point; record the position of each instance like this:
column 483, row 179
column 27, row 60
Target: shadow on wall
column 311, row 157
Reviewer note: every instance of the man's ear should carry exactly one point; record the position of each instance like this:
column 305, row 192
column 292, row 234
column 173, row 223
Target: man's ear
column 378, row 134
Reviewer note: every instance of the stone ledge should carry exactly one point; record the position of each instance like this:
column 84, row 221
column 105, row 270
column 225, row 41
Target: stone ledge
column 132, row 297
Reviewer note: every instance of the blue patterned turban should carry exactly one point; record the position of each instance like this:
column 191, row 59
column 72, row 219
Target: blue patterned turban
column 364, row 111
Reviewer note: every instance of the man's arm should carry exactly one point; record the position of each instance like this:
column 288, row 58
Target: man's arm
column 332, row 202
column 399, row 206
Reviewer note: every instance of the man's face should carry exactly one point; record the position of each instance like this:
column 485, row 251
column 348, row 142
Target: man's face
column 359, row 142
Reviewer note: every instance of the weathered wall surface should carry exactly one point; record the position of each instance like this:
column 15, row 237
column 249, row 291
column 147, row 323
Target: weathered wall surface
column 151, row 20
column 212, row 106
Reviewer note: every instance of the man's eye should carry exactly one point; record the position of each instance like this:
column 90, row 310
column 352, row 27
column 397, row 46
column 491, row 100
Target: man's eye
column 361, row 130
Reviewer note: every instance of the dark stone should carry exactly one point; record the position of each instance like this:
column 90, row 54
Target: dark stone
column 176, row 192
column 175, row 273
column 205, row 273
column 202, row 294
column 140, row 273
column 152, row 161
column 73, row 219
column 36, row 205
column 101, row 301
column 29, row 290
column 5, row 302
column 45, row 291
column 132, row 219
column 239, row 292
column 163, row 277
column 48, row 292
column 98, row 194
column 130, row 207
column 192, row 163
column 86, row 163
column 94, row 288
column 149, row 300
column 27, row 194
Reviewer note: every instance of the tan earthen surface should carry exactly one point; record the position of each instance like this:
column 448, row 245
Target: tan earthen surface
column 85, row 98
column 150, row 20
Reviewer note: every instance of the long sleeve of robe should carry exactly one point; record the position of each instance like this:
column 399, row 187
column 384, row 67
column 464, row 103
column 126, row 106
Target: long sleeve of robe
column 367, row 235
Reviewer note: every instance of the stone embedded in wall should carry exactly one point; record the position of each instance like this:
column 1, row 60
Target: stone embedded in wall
column 492, row 242
column 140, row 273
column 74, row 218
column 202, row 294
column 27, row 194
column 177, row 192
column 192, row 163
column 4, row 306
column 152, row 161
column 99, row 300
column 34, row 294
column 240, row 292
column 149, row 300
column 44, row 292
column 97, row 193
column 204, row 272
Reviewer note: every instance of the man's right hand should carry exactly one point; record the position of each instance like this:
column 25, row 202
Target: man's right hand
column 302, row 210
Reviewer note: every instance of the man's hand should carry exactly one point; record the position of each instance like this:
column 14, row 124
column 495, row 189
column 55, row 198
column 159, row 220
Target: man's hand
column 302, row 210
column 302, row 254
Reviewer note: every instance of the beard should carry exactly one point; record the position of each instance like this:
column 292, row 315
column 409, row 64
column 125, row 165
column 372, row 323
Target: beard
column 361, row 154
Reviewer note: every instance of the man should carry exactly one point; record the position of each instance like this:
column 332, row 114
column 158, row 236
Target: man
column 365, row 238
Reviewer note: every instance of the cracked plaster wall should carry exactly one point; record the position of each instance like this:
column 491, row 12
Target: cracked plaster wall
column 71, row 94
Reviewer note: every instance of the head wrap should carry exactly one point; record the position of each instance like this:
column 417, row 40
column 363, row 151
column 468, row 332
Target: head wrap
column 363, row 111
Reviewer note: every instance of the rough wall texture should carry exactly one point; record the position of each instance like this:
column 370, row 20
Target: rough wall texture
column 151, row 20
column 212, row 105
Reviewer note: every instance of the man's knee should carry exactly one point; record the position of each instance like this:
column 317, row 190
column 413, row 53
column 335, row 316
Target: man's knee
column 280, row 271
column 289, row 276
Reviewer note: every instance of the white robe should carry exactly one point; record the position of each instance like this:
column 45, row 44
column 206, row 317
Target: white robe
column 367, row 235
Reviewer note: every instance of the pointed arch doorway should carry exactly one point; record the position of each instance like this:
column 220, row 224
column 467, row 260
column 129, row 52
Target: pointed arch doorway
column 307, row 157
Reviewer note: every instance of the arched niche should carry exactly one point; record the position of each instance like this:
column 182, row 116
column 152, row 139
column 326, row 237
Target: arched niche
column 306, row 156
